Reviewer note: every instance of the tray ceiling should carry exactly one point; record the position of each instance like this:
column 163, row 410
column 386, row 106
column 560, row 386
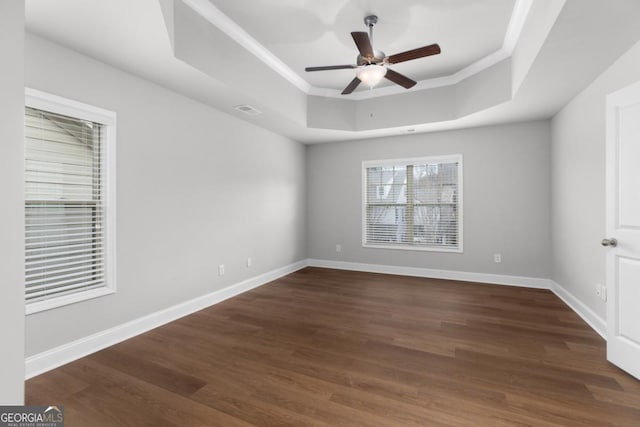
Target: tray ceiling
column 303, row 33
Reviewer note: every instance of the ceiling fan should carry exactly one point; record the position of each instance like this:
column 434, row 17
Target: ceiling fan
column 372, row 65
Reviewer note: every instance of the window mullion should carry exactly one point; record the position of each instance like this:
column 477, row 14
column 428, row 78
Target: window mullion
column 409, row 210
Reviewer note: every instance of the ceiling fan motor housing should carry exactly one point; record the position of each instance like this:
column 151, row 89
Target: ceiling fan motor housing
column 378, row 58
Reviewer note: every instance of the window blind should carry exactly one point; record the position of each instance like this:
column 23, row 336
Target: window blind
column 413, row 204
column 64, row 209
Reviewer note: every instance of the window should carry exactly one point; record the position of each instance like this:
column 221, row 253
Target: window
column 69, row 195
column 413, row 204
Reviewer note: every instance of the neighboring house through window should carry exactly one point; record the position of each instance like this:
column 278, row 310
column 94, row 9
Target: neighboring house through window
column 69, row 201
column 413, row 203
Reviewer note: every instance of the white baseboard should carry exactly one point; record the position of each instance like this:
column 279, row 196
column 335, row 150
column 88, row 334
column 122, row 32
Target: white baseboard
column 50, row 359
column 596, row 322
column 496, row 279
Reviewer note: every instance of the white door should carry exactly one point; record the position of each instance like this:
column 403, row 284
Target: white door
column 623, row 229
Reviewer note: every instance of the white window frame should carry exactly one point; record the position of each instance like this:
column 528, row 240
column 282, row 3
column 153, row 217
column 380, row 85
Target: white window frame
column 416, row 161
column 59, row 105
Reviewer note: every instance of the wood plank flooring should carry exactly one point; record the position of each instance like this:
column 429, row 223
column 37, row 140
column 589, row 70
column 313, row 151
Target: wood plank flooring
column 337, row 348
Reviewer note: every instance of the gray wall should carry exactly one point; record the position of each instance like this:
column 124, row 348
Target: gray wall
column 195, row 188
column 12, row 211
column 578, row 183
column 506, row 199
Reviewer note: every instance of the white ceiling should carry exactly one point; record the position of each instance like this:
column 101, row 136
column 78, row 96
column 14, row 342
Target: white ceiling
column 304, row 33
column 587, row 37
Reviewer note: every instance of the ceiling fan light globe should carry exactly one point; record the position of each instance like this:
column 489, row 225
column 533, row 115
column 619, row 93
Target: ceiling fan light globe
column 371, row 74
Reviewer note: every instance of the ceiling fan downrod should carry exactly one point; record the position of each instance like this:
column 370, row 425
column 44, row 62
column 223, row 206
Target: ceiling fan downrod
column 370, row 21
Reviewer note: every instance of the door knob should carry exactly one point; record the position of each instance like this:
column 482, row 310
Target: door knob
column 609, row 242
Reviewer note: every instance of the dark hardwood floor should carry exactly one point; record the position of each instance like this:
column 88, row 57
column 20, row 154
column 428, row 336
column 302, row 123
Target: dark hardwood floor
column 329, row 347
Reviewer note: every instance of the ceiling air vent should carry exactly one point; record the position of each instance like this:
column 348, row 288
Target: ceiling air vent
column 248, row 110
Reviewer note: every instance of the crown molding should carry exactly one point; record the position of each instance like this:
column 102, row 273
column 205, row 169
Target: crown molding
column 215, row 16
column 516, row 25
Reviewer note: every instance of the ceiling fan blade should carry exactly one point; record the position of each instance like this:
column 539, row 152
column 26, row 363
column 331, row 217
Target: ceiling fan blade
column 330, row 67
column 421, row 52
column 398, row 78
column 351, row 86
column 363, row 43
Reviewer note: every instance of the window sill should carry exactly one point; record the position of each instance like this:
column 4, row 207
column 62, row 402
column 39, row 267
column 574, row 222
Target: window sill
column 36, row 307
column 414, row 248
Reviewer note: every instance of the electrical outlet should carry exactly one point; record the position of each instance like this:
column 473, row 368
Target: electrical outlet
column 497, row 258
column 338, row 247
column 601, row 291
column 221, row 270
column 249, row 262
